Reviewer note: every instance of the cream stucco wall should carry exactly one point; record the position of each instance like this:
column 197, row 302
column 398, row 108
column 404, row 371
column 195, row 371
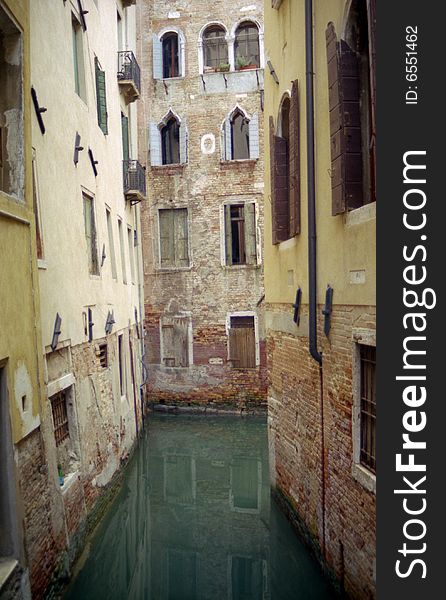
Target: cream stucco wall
column 346, row 243
column 65, row 282
column 19, row 324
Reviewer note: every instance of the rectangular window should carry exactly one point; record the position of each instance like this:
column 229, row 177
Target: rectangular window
column 121, row 244
column 131, row 253
column 111, row 244
column 121, row 364
column 248, row 578
column 240, row 234
column 174, row 238
column 37, row 209
column 175, row 333
column 101, row 97
column 60, row 417
column 78, row 58
column 242, row 342
column 245, row 484
column 11, row 115
column 90, row 235
column 179, row 479
column 368, row 407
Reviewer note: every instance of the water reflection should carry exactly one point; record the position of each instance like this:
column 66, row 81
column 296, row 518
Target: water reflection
column 194, row 521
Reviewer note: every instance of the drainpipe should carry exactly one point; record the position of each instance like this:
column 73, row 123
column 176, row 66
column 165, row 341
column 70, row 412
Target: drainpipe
column 312, row 279
column 311, row 180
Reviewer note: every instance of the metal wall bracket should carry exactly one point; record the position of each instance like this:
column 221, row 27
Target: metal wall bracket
column 104, row 255
column 93, row 162
column 82, row 14
column 56, row 332
column 39, row 110
column 296, row 306
column 327, row 310
column 109, row 322
column 77, row 148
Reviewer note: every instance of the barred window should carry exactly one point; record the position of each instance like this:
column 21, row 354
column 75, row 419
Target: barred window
column 368, row 407
column 60, row 417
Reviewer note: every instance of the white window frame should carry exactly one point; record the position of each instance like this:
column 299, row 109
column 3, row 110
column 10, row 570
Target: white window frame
column 364, row 337
column 181, row 52
column 225, row 130
column 154, row 138
column 223, row 233
column 190, row 339
column 259, row 26
column 193, row 475
column 200, row 45
column 244, row 313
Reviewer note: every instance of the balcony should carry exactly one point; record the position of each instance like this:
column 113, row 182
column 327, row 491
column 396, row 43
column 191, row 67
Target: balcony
column 129, row 75
column 134, row 176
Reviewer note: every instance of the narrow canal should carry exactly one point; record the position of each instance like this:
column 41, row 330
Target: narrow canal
column 194, row 521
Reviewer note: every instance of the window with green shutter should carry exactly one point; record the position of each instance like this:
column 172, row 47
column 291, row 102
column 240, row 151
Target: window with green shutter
column 174, row 238
column 101, row 97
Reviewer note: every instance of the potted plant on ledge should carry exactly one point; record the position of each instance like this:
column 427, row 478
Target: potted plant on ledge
column 223, row 68
column 244, row 64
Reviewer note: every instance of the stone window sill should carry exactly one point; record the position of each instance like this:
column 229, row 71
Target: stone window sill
column 168, row 169
column 361, row 215
column 365, row 477
column 243, row 162
column 239, row 267
column 173, row 269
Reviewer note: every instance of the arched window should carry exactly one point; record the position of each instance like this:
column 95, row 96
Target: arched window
column 171, row 66
column 215, row 48
column 170, row 142
column 247, row 49
column 240, row 139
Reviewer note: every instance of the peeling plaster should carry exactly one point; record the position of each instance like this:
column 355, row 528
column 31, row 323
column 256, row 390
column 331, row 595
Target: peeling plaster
column 23, row 388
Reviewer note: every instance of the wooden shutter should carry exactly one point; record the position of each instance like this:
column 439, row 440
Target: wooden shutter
column 294, row 161
column 254, row 143
column 101, row 98
column 228, row 234
column 345, row 126
column 157, row 57
column 155, row 145
column 125, row 136
column 181, row 237
column 167, row 248
column 242, row 348
column 183, row 142
column 228, row 140
column 250, row 233
column 279, row 185
column 180, row 334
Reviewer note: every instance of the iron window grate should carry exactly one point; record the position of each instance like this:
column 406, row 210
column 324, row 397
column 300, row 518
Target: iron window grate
column 60, row 417
column 368, row 408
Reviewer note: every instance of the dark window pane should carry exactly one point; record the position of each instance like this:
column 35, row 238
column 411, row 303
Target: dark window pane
column 238, row 235
column 215, row 47
column 247, row 50
column 239, row 137
column 170, row 56
column 368, row 407
column 170, row 139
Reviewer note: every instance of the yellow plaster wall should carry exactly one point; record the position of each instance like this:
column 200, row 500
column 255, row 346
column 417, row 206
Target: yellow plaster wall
column 20, row 346
column 346, row 242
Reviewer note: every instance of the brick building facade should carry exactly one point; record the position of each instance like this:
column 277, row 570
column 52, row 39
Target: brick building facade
column 320, row 280
column 201, row 136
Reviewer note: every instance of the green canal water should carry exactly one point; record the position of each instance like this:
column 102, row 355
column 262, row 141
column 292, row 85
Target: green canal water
column 194, row 520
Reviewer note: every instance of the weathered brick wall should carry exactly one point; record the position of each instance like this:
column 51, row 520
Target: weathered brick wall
column 207, row 291
column 298, row 468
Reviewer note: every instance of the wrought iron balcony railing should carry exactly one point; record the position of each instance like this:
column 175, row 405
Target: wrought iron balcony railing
column 129, row 75
column 134, row 181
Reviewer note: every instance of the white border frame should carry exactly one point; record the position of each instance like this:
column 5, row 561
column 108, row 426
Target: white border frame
column 244, row 313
